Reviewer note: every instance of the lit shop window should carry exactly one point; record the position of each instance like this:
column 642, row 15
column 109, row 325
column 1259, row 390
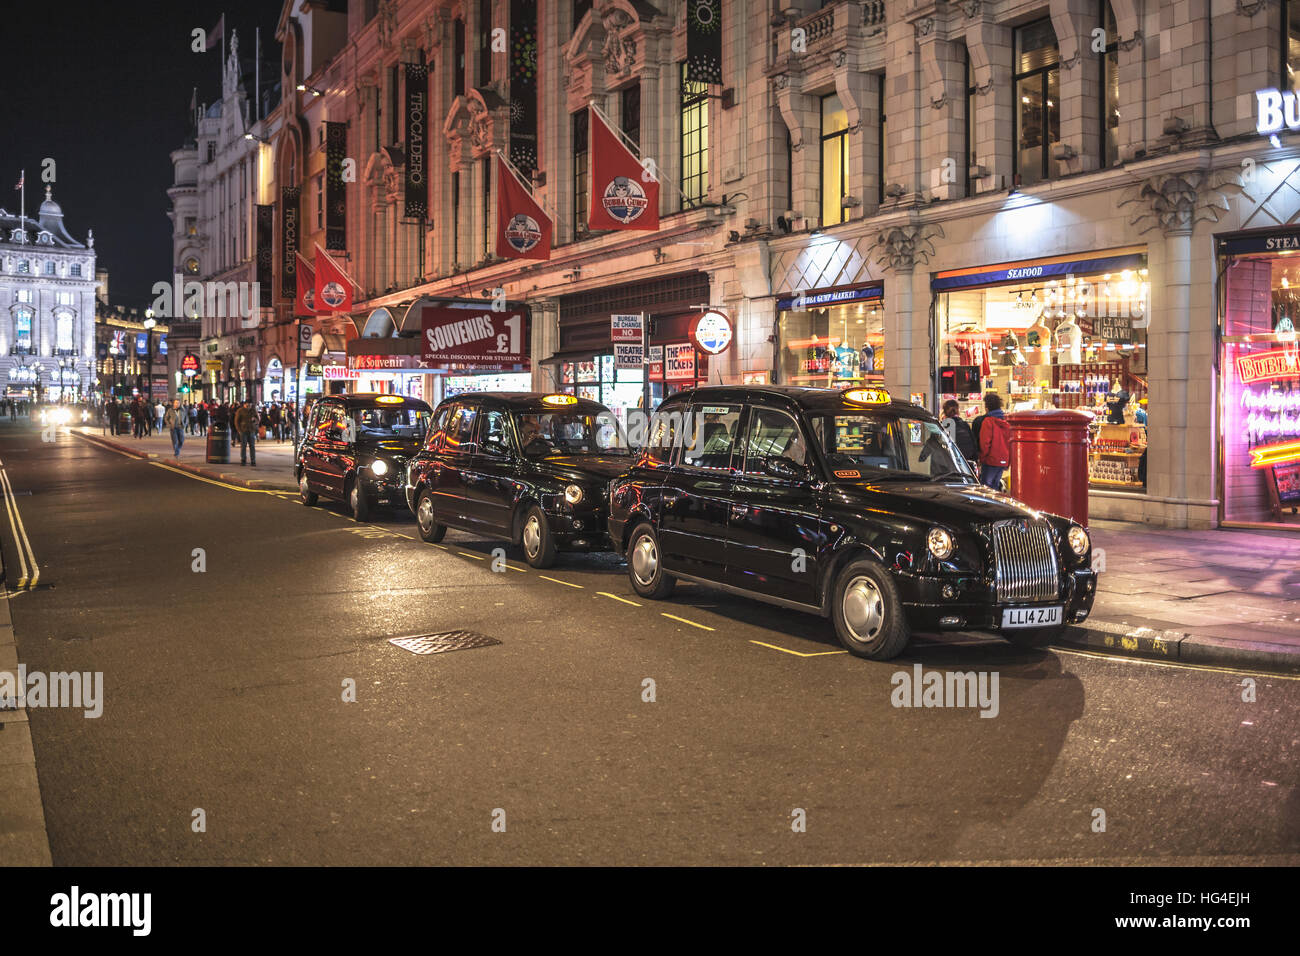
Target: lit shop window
column 833, row 346
column 1078, row 342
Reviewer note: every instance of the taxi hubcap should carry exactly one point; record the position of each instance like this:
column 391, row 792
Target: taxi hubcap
column 645, row 559
column 864, row 608
column 302, row 484
column 532, row 535
column 353, row 498
column 426, row 514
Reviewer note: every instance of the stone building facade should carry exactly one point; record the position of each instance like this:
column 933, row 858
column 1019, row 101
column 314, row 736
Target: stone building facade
column 1069, row 202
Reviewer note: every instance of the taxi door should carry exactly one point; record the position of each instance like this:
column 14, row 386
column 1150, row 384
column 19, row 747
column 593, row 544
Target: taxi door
column 449, row 480
column 774, row 523
column 697, row 493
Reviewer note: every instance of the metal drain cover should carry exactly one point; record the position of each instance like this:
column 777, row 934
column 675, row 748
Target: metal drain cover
column 445, row 641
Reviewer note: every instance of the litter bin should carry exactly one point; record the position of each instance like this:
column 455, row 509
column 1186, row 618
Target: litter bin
column 219, row 444
column 1049, row 461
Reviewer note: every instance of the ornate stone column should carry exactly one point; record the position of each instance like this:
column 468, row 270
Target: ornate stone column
column 897, row 250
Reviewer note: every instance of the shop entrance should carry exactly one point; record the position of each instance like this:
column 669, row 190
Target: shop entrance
column 1259, row 394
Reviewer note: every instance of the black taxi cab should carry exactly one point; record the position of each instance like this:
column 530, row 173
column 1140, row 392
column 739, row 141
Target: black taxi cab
column 527, row 467
column 846, row 504
column 355, row 448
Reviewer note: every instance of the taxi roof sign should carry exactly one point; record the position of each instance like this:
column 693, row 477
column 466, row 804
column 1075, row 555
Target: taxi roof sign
column 559, row 400
column 868, row 396
column 390, row 399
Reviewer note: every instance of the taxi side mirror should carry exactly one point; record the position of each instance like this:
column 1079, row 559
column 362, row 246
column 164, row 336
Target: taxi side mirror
column 779, row 467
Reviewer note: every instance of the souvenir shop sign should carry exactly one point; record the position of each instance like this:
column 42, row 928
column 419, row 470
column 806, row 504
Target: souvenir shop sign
column 488, row 341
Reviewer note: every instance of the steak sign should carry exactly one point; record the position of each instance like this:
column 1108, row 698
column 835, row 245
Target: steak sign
column 458, row 337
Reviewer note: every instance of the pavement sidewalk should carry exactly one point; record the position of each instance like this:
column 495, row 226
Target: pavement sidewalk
column 274, row 469
column 24, row 840
column 1220, row 597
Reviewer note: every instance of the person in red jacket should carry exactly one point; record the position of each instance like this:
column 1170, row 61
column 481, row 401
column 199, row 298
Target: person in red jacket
column 995, row 441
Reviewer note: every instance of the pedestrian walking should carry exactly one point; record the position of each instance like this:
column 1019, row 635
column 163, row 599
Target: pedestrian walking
column 246, row 425
column 201, row 417
column 994, row 441
column 956, row 428
column 174, row 422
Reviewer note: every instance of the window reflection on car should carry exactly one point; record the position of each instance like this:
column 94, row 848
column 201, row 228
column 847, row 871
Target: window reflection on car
column 391, row 422
column 569, row 433
column 890, row 447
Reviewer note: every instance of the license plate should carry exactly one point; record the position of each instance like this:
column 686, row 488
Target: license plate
column 1031, row 616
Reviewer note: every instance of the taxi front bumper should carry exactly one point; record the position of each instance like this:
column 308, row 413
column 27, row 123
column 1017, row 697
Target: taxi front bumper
column 935, row 603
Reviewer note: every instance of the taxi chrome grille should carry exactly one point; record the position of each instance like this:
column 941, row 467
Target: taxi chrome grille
column 1024, row 562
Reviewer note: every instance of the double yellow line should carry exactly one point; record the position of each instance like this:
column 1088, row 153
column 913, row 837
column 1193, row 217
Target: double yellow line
column 30, row 570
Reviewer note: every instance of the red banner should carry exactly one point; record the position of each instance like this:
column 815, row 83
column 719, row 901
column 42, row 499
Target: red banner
column 523, row 229
column 333, row 286
column 473, row 338
column 623, row 193
column 305, row 303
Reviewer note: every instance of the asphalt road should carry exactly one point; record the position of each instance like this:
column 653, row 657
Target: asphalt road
column 224, row 693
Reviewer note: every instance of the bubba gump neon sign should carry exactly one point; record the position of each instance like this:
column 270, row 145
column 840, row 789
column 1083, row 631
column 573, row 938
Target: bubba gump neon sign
column 1266, row 366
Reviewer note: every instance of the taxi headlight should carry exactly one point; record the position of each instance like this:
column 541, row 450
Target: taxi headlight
column 379, row 467
column 939, row 542
column 573, row 494
column 1078, row 539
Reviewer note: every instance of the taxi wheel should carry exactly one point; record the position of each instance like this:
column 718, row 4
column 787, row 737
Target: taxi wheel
column 358, row 501
column 430, row 530
column 1034, row 636
column 308, row 497
column 644, row 567
column 536, row 540
column 869, row 618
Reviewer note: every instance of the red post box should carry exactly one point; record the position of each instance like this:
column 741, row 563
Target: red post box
column 1049, row 461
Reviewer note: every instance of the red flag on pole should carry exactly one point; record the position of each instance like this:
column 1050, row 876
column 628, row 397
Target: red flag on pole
column 305, row 303
column 523, row 229
column 623, row 193
column 333, row 285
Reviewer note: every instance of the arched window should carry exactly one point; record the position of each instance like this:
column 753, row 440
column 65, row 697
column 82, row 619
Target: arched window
column 63, row 332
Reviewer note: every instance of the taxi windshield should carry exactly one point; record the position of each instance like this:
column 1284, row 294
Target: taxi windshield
column 542, row 434
column 390, row 422
column 889, row 446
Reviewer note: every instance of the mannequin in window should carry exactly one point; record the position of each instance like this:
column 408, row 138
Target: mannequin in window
column 1038, row 341
column 1115, row 403
column 1069, row 342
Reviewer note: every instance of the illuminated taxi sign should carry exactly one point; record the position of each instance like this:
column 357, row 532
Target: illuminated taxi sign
column 559, row 400
column 867, row 396
column 390, row 399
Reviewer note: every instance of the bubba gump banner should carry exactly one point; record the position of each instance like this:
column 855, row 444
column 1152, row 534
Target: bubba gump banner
column 523, row 229
column 623, row 193
column 333, row 285
column 305, row 302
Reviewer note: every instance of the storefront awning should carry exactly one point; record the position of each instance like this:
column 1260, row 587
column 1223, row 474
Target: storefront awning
column 1110, row 260
column 323, row 342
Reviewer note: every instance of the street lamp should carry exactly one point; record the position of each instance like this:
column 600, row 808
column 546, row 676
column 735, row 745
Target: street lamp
column 149, row 323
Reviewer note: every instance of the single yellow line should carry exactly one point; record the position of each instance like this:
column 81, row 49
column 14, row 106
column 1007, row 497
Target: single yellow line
column 520, row 570
column 617, row 598
column 558, row 581
column 476, row 557
column 797, row 653
column 702, row 627
column 400, row 535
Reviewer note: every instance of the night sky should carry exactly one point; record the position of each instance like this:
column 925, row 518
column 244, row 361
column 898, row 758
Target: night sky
column 105, row 92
